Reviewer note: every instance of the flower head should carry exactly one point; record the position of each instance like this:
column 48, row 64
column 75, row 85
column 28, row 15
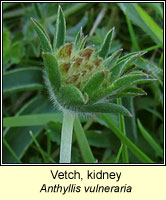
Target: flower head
column 83, row 79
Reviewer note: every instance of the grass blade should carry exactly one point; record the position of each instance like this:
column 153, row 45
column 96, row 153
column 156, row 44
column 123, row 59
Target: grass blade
column 11, row 150
column 31, row 120
column 149, row 139
column 38, row 146
column 150, row 23
column 119, row 154
column 140, row 18
column 83, row 143
column 125, row 156
column 132, row 34
column 133, row 148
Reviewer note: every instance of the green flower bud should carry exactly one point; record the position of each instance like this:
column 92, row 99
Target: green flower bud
column 83, row 79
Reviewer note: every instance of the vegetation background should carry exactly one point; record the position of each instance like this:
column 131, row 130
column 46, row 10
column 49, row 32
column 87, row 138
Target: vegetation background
column 31, row 127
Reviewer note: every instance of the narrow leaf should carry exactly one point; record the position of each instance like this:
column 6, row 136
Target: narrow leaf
column 106, row 108
column 38, row 104
column 129, row 62
column 82, row 43
column 125, row 156
column 123, row 82
column 78, row 39
column 52, row 69
column 119, row 154
column 29, row 78
column 70, row 96
column 94, row 84
column 133, row 148
column 149, row 139
column 83, row 143
column 141, row 18
column 60, row 33
column 11, row 151
column 43, row 36
column 150, row 23
column 132, row 91
column 31, row 120
column 113, row 59
column 134, row 40
column 106, row 44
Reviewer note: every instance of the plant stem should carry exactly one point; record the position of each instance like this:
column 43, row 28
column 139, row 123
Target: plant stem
column 66, row 137
column 122, row 128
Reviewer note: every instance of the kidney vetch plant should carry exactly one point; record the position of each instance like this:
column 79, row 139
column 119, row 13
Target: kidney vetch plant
column 83, row 80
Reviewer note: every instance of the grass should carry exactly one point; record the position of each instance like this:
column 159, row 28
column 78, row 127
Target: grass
column 104, row 138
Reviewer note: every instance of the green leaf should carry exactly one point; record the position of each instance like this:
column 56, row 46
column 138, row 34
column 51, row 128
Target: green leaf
column 119, row 154
column 94, row 84
column 78, row 39
column 106, row 44
column 16, row 53
column 70, row 96
column 83, row 143
column 12, row 52
column 37, row 9
column 125, row 156
column 134, row 40
column 127, row 81
column 152, row 69
column 157, row 31
column 132, row 91
column 6, row 46
column 43, row 36
column 129, row 62
column 149, row 139
column 11, row 151
column 133, row 148
column 113, row 59
column 140, row 18
column 31, row 120
column 18, row 137
column 60, row 33
column 100, row 139
column 106, row 108
column 52, row 69
column 82, row 43
column 156, row 6
column 135, row 90
column 127, row 56
column 29, row 78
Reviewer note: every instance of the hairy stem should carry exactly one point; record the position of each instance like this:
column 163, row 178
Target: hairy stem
column 66, row 137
